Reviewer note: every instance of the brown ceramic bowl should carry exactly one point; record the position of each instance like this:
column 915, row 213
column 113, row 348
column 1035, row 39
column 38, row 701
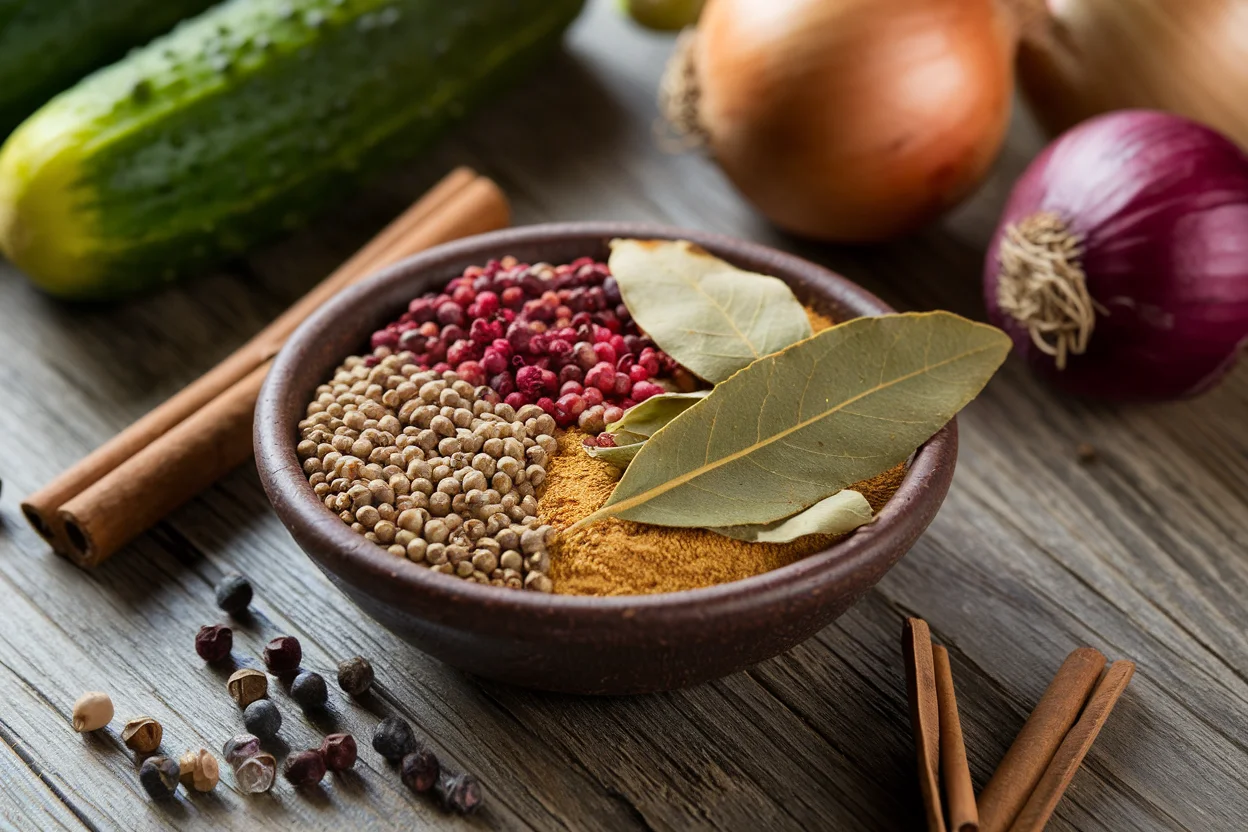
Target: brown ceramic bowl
column 615, row 645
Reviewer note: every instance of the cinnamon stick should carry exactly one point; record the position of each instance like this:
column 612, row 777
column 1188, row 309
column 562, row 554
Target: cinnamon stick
column 1024, row 764
column 954, row 772
column 41, row 507
column 916, row 644
column 1057, row 776
column 186, row 458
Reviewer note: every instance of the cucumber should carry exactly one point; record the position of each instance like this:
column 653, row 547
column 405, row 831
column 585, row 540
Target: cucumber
column 242, row 122
column 47, row 45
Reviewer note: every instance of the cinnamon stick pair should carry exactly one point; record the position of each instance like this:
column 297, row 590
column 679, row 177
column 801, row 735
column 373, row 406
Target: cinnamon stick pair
column 1033, row 775
column 180, row 448
column 937, row 732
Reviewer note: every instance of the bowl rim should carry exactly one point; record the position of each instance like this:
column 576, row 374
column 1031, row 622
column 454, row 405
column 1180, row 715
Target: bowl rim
column 400, row 583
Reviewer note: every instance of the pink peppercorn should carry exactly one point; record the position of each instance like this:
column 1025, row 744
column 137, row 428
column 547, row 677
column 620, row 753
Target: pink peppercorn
column 638, row 373
column 592, row 396
column 529, row 380
column 602, row 376
column 605, row 352
column 471, row 372
column 450, row 312
column 643, row 390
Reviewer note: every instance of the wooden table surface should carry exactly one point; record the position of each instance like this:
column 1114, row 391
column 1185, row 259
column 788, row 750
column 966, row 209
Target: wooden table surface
column 1142, row 554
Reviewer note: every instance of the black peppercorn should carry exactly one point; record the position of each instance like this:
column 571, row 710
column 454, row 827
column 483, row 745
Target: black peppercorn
column 394, row 739
column 234, row 594
column 419, row 771
column 262, row 718
column 459, row 793
column 304, row 768
column 214, row 642
column 283, row 655
column 159, row 777
column 339, row 751
column 309, row 689
column 355, row 675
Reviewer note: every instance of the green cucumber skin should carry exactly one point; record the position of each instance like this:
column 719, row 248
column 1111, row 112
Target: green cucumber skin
column 47, row 45
column 242, row 122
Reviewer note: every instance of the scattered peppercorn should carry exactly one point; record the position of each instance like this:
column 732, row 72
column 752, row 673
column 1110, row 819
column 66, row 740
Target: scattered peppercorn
column 239, row 748
column 262, row 718
column 247, row 685
column 213, row 642
column 198, row 770
column 234, row 594
column 159, row 777
column 339, row 751
column 459, row 793
column 92, row 711
column 283, row 655
column 142, row 734
column 394, row 739
column 256, row 773
column 304, row 768
column 309, row 689
column 419, row 771
column 355, row 675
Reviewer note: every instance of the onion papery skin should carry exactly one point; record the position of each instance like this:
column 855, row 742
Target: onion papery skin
column 854, row 120
column 1161, row 206
column 1081, row 58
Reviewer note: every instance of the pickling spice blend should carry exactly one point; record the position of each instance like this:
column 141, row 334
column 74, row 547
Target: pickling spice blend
column 519, row 429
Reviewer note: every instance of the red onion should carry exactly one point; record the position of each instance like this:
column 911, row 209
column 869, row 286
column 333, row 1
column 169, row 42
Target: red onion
column 1120, row 267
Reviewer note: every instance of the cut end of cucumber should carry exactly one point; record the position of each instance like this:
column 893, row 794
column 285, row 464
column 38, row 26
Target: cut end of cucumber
column 41, row 227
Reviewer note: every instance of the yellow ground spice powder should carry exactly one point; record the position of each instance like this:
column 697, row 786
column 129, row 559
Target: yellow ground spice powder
column 619, row 557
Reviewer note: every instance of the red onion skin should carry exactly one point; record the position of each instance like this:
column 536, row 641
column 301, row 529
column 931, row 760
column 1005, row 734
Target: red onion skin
column 1161, row 205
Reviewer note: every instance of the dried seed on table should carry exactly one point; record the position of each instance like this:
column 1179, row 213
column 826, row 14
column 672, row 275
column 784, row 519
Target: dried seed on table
column 309, row 689
column 339, row 752
column 459, row 793
column 283, row 654
column 256, row 774
column 142, row 734
column 92, row 711
column 355, row 675
column 240, row 747
column 234, row 594
column 198, row 770
column 263, row 719
column 394, row 739
column 213, row 642
column 159, row 777
column 419, row 770
column 247, row 685
column 304, row 768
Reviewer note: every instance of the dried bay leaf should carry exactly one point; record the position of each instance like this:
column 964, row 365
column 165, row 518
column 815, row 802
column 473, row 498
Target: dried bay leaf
column 627, row 445
column 640, row 422
column 841, row 513
column 646, row 418
column 796, row 427
column 710, row 316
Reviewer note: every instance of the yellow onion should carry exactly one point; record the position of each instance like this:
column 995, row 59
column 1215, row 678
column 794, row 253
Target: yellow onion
column 847, row 120
column 1079, row 58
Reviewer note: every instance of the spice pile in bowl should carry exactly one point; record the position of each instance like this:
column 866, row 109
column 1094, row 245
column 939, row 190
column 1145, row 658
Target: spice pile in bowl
column 707, row 425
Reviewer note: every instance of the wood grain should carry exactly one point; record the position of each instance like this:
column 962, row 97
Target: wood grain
column 1143, row 553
